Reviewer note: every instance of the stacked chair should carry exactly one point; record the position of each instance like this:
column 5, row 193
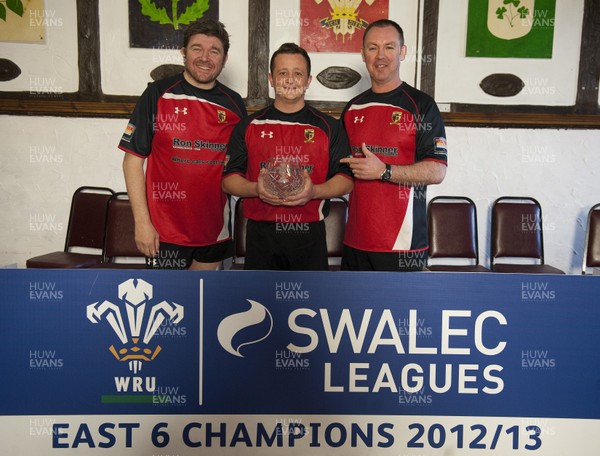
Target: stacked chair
column 453, row 238
column 335, row 226
column 518, row 237
column 85, row 232
column 239, row 235
column 101, row 234
column 591, row 251
column 120, row 251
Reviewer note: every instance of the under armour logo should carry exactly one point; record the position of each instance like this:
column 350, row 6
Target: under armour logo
column 152, row 262
column 359, row 119
column 178, row 110
column 264, row 134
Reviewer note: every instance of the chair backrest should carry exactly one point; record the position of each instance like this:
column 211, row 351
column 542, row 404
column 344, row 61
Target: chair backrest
column 517, row 228
column 335, row 226
column 452, row 225
column 591, row 252
column 87, row 218
column 120, row 230
column 239, row 232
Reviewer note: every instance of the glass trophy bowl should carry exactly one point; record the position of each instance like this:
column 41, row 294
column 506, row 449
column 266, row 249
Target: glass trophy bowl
column 284, row 176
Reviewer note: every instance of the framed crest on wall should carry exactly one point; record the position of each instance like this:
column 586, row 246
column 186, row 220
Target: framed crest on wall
column 94, row 71
column 337, row 67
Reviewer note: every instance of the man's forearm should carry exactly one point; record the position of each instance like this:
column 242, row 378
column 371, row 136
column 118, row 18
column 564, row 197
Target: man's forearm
column 135, row 182
column 234, row 184
column 421, row 173
column 338, row 185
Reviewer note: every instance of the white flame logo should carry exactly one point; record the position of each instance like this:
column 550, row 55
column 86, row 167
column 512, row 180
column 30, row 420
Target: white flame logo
column 233, row 324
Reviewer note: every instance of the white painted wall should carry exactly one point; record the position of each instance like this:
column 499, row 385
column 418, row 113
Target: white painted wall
column 44, row 159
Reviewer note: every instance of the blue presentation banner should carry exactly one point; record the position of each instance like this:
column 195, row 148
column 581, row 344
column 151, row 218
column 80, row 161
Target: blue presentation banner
column 319, row 349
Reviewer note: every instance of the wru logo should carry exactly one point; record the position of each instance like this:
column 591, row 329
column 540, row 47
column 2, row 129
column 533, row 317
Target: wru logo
column 232, row 325
column 135, row 294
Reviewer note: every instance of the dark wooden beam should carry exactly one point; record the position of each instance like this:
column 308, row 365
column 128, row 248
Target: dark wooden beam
column 491, row 119
column 69, row 107
column 88, row 42
column 431, row 9
column 121, row 107
column 589, row 62
column 258, row 53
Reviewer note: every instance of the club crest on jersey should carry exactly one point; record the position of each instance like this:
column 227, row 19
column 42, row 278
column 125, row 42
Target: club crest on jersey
column 309, row 135
column 396, row 118
column 221, row 116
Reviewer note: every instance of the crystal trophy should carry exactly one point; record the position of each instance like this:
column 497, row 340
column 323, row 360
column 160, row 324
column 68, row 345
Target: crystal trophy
column 284, row 176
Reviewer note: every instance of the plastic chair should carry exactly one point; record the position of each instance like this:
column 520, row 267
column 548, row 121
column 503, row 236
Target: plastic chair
column 335, row 228
column 591, row 251
column 119, row 245
column 517, row 232
column 85, row 231
column 453, row 237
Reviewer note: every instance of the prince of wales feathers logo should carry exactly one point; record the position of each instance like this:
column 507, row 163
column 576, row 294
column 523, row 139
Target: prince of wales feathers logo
column 135, row 295
column 344, row 18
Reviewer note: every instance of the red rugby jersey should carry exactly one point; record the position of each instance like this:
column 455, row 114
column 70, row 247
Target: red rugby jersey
column 317, row 140
column 183, row 131
column 401, row 127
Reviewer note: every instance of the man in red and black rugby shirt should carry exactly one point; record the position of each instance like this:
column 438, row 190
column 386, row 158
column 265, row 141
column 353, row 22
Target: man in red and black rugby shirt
column 180, row 127
column 398, row 145
column 287, row 233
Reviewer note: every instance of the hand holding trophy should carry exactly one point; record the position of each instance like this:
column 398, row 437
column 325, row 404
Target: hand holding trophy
column 284, row 176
